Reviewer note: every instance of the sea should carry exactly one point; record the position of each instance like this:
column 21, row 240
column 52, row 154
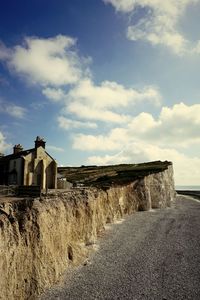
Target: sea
column 188, row 187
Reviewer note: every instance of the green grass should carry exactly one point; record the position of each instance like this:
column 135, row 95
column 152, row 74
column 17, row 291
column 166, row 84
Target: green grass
column 105, row 176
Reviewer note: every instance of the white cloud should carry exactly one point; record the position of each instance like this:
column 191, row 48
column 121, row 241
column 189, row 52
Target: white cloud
column 93, row 113
column 111, row 94
column 122, row 5
column 90, row 143
column 4, row 52
column 89, row 101
column 196, row 49
column 178, row 126
column 94, row 102
column 159, row 26
column 50, row 61
column 55, row 148
column 54, row 95
column 53, row 63
column 3, row 144
column 145, row 138
column 187, row 169
column 12, row 109
column 115, row 140
column 66, row 123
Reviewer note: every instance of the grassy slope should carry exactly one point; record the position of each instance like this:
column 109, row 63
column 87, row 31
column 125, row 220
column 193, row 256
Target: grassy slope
column 103, row 176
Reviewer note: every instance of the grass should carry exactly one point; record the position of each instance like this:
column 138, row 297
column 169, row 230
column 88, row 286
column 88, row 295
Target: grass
column 105, row 176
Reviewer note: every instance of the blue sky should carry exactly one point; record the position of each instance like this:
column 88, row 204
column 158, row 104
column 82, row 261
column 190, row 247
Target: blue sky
column 103, row 81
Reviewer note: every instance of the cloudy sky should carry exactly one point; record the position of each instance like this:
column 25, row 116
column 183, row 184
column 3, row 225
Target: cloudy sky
column 103, row 81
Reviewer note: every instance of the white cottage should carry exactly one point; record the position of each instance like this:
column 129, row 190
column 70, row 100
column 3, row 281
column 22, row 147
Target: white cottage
column 29, row 167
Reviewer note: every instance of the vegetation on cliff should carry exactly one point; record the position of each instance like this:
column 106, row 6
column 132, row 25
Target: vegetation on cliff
column 105, row 176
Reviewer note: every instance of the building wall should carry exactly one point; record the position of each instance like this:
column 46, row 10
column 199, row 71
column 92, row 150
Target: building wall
column 15, row 171
column 40, row 169
column 3, row 173
column 35, row 168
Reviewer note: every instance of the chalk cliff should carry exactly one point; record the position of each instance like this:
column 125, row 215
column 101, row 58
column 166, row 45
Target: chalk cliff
column 40, row 238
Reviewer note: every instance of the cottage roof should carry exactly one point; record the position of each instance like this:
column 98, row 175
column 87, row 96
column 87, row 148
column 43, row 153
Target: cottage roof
column 17, row 155
column 20, row 154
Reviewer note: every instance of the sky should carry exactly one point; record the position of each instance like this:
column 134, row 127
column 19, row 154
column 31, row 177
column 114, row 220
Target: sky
column 103, row 81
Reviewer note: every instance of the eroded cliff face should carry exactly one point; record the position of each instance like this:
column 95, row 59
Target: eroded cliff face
column 40, row 238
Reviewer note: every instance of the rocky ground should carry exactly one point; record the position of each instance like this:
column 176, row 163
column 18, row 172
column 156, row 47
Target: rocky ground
column 151, row 255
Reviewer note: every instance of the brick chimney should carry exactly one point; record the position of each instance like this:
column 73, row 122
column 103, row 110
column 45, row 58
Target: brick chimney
column 17, row 148
column 39, row 142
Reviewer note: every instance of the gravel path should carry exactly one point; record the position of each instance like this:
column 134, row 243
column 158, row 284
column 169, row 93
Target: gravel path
column 151, row 255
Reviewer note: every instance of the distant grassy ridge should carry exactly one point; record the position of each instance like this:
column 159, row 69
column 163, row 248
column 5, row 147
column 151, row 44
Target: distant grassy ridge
column 103, row 176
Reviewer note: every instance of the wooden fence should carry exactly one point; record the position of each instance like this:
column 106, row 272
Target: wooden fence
column 8, row 190
column 19, row 191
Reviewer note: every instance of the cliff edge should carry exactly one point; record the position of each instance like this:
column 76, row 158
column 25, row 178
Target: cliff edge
column 40, row 238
